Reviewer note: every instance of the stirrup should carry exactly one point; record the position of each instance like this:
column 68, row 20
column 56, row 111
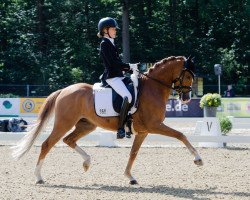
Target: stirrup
column 129, row 125
column 128, row 134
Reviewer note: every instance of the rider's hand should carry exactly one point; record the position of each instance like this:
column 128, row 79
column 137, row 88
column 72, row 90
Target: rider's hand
column 133, row 66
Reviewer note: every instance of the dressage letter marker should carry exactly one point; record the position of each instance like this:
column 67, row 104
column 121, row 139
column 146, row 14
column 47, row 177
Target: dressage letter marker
column 210, row 127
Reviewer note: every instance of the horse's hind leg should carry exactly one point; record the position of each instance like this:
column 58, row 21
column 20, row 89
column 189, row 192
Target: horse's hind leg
column 82, row 128
column 59, row 130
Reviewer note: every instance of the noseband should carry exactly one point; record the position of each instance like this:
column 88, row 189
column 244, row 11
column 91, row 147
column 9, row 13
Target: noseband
column 179, row 80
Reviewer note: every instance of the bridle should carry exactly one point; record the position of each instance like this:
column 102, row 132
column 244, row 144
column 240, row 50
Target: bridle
column 180, row 88
column 179, row 80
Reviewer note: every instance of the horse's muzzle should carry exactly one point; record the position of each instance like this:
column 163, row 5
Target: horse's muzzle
column 185, row 97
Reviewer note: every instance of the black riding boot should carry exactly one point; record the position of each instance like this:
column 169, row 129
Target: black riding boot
column 123, row 115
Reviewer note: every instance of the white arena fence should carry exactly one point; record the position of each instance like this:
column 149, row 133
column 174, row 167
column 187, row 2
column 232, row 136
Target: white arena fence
column 202, row 132
column 204, row 137
column 98, row 137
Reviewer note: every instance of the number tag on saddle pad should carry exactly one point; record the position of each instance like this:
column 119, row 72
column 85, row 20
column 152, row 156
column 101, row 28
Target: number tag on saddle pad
column 108, row 104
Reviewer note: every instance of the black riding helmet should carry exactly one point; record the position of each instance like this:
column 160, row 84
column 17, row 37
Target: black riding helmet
column 106, row 22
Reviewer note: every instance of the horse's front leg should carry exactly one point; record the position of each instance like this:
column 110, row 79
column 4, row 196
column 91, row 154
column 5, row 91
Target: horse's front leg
column 133, row 153
column 162, row 129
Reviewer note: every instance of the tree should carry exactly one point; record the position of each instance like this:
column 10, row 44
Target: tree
column 54, row 42
column 125, row 31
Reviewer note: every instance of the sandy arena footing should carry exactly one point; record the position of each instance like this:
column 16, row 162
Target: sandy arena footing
column 162, row 173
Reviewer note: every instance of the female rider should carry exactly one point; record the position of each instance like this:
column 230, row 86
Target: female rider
column 114, row 67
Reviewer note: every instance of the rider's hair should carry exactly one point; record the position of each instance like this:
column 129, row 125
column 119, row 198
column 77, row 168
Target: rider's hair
column 101, row 33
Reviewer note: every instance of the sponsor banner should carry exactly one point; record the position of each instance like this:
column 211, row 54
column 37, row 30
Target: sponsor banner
column 9, row 106
column 31, row 106
column 237, row 107
column 174, row 108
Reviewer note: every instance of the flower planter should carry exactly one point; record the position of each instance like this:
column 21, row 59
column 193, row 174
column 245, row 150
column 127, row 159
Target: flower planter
column 210, row 111
column 210, row 102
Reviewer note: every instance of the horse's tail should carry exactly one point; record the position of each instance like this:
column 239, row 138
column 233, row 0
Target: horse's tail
column 27, row 141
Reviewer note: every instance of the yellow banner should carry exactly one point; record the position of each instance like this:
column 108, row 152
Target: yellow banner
column 31, row 105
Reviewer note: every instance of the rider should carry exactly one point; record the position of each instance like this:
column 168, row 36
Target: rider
column 114, row 67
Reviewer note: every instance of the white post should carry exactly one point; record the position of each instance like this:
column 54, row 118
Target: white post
column 219, row 83
column 218, row 72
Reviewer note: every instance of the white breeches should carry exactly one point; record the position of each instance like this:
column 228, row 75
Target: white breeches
column 117, row 84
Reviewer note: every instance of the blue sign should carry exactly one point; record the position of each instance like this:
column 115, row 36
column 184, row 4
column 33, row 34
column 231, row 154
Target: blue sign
column 174, row 108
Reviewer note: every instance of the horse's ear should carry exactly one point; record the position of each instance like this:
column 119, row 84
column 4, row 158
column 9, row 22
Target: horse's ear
column 188, row 61
column 189, row 64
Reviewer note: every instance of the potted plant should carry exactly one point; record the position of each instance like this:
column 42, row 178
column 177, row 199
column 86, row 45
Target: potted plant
column 226, row 126
column 210, row 102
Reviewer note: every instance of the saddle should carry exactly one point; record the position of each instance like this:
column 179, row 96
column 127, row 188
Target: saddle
column 108, row 103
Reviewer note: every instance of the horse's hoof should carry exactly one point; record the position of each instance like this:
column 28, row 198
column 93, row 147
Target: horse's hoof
column 40, row 182
column 133, row 182
column 198, row 162
column 86, row 166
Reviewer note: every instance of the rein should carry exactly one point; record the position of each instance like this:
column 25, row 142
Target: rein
column 178, row 88
column 158, row 81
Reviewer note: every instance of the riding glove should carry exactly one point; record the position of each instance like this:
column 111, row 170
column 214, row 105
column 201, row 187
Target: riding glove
column 133, row 66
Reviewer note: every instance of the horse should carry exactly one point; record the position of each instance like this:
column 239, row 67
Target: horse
column 73, row 106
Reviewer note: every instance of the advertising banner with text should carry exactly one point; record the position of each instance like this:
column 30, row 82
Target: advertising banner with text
column 174, row 108
column 237, row 107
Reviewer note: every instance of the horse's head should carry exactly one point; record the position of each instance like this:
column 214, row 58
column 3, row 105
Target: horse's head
column 175, row 73
column 184, row 80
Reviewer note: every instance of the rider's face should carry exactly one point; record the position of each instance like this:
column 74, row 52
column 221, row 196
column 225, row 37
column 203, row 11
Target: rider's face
column 111, row 31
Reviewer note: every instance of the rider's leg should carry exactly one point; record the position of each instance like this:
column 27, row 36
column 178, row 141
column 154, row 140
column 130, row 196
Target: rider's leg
column 120, row 88
column 117, row 84
column 123, row 114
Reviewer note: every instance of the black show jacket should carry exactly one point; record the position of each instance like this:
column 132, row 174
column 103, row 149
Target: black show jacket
column 112, row 62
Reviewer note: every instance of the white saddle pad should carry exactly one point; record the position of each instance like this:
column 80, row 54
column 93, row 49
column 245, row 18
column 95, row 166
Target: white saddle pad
column 103, row 102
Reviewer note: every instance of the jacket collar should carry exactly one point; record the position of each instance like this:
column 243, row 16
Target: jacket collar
column 110, row 40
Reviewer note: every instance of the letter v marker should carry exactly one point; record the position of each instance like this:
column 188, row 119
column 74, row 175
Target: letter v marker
column 209, row 126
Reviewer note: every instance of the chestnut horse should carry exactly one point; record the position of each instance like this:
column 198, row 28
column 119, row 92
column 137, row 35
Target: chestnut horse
column 74, row 106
